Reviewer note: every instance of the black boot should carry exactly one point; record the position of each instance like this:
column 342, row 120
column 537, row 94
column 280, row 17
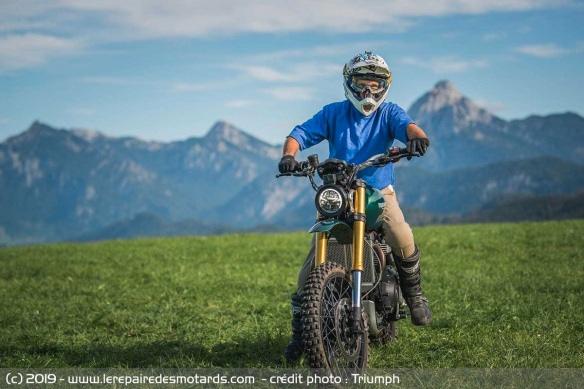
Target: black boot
column 293, row 352
column 409, row 280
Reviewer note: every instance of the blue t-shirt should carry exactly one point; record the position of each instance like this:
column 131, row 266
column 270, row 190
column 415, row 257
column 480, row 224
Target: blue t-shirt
column 354, row 137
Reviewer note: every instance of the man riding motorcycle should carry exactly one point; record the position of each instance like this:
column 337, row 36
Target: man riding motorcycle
column 357, row 128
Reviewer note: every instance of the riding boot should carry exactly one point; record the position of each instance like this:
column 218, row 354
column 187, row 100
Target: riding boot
column 409, row 280
column 295, row 348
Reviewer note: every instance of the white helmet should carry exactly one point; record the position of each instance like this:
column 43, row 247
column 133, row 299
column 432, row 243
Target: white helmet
column 369, row 67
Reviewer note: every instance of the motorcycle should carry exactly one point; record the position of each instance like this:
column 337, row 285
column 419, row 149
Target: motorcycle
column 352, row 294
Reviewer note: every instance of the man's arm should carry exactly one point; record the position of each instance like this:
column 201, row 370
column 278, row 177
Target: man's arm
column 418, row 141
column 413, row 132
column 288, row 163
column 291, row 147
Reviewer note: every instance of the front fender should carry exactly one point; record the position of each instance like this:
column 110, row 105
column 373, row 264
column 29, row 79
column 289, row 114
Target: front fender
column 342, row 232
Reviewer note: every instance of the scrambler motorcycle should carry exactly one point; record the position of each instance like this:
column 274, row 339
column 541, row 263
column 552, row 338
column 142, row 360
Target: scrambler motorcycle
column 352, row 294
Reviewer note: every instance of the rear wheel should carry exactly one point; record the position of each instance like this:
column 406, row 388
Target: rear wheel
column 326, row 310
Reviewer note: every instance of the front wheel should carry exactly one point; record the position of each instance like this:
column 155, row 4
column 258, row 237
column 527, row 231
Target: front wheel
column 326, row 311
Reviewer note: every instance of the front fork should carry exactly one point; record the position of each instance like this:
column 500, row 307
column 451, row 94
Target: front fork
column 356, row 324
column 357, row 267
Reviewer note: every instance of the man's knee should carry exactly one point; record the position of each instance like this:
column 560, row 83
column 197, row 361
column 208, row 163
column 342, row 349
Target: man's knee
column 400, row 238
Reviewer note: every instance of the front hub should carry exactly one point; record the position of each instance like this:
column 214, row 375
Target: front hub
column 347, row 340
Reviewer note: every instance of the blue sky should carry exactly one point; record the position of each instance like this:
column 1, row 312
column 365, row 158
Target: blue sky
column 168, row 70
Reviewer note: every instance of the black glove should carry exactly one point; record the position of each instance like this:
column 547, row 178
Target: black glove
column 418, row 145
column 287, row 164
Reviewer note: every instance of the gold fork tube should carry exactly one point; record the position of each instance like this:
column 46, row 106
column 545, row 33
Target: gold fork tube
column 358, row 228
column 321, row 247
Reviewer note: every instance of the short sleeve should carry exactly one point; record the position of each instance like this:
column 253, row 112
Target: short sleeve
column 311, row 132
column 399, row 121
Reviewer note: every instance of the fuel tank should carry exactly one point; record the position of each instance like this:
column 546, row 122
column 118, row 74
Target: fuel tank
column 375, row 204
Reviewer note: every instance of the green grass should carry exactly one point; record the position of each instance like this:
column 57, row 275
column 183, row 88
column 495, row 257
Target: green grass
column 502, row 295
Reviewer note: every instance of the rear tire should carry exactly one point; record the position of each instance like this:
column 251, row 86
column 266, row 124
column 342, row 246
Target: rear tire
column 326, row 307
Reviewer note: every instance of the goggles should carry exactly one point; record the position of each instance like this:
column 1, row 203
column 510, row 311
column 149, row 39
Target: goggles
column 373, row 85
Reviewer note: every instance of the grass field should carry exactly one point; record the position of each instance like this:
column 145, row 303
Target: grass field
column 502, row 295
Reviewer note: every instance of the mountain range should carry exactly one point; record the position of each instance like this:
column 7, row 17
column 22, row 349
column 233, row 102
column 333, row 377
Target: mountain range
column 58, row 184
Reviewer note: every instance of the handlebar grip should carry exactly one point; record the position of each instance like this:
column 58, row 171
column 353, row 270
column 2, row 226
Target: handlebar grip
column 394, row 154
column 395, row 151
column 300, row 166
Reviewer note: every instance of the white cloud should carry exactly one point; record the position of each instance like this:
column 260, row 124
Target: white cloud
column 109, row 80
column 297, row 72
column 18, row 16
column 494, row 36
column 30, row 50
column 317, row 52
column 265, row 73
column 38, row 30
column 153, row 18
column 190, row 87
column 220, row 84
column 292, row 93
column 545, row 51
column 283, row 68
column 447, row 64
column 241, row 103
column 454, row 65
column 130, row 19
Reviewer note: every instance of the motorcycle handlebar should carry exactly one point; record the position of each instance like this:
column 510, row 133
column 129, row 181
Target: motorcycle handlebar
column 399, row 153
column 393, row 155
column 299, row 169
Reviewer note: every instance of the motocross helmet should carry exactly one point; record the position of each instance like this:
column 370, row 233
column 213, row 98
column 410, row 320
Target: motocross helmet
column 369, row 67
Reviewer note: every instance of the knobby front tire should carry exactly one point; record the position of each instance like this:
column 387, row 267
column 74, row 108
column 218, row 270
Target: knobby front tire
column 326, row 307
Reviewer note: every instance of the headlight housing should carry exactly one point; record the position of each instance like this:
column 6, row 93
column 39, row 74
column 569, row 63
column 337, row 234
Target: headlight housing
column 330, row 200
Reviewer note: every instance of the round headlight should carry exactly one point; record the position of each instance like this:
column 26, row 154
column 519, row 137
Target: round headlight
column 330, row 201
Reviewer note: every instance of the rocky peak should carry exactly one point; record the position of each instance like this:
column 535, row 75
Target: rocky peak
column 40, row 136
column 38, row 126
column 445, row 86
column 40, row 129
column 33, row 134
column 445, row 109
column 442, row 95
column 223, row 133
